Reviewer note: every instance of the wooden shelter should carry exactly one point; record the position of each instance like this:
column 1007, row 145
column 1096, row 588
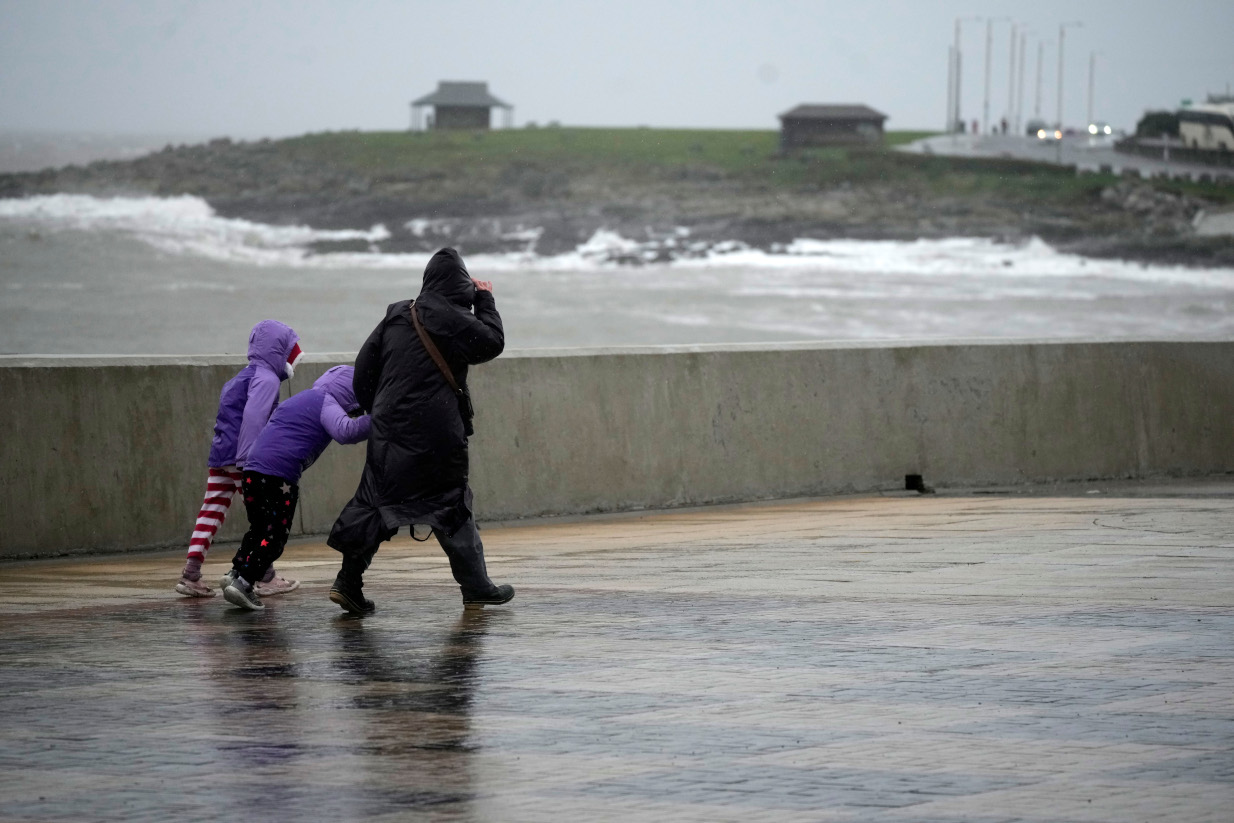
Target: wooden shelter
column 458, row 105
column 813, row 124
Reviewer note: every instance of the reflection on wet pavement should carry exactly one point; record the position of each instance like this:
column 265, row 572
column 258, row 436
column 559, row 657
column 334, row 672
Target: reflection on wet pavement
column 853, row 659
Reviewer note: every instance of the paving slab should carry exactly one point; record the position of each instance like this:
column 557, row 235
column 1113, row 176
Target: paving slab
column 1057, row 656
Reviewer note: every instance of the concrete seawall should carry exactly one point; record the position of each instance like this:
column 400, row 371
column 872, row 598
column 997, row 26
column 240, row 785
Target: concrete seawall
column 107, row 454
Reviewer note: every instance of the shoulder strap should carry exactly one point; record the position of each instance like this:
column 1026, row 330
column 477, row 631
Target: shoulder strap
column 432, row 349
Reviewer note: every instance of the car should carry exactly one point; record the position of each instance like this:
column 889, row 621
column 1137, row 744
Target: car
column 1100, row 129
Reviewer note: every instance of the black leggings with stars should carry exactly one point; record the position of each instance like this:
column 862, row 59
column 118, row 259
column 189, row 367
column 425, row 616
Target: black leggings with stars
column 271, row 504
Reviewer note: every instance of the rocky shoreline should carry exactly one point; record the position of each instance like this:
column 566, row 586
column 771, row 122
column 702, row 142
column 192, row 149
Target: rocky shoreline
column 526, row 206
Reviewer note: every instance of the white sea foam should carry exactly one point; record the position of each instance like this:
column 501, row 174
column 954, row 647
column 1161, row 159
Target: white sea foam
column 181, row 225
column 189, row 226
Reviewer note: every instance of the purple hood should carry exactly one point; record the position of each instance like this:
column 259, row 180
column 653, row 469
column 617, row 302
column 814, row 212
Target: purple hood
column 336, row 382
column 248, row 399
column 270, row 343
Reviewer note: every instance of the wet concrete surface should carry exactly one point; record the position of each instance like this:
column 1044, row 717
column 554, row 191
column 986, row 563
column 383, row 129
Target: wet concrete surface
column 943, row 657
column 1086, row 153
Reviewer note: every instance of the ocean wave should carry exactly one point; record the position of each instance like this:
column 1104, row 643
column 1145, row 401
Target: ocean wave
column 188, row 226
column 181, row 225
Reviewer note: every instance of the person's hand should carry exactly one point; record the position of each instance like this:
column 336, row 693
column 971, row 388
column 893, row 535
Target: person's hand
column 483, row 285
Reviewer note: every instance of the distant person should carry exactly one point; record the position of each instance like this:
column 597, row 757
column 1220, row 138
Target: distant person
column 976, row 127
column 416, row 472
column 297, row 434
column 245, row 404
column 1003, row 123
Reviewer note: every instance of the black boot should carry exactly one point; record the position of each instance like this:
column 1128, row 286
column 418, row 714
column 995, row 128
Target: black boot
column 498, row 595
column 348, row 590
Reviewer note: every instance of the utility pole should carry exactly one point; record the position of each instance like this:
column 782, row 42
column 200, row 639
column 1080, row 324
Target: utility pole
column 1019, row 95
column 1010, row 116
column 956, row 117
column 989, row 45
column 985, row 106
column 949, row 121
column 1062, row 30
column 1092, row 70
column 1040, row 58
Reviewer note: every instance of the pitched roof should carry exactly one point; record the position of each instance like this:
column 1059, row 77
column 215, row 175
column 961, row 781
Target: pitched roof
column 452, row 93
column 849, row 111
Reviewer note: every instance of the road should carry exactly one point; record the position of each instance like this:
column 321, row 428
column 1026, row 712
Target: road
column 1085, row 153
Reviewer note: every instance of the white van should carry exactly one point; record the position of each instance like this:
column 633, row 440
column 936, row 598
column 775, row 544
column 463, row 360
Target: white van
column 1209, row 126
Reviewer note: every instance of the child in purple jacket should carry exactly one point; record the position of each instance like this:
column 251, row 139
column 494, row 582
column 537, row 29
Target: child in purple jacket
column 245, row 404
column 294, row 438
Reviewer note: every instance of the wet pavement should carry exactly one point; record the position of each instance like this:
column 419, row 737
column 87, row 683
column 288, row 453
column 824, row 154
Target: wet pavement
column 1087, row 154
column 949, row 657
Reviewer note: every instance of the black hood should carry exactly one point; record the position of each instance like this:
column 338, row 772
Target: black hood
column 446, row 275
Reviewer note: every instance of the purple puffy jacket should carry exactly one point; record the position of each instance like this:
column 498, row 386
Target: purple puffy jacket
column 302, row 427
column 249, row 398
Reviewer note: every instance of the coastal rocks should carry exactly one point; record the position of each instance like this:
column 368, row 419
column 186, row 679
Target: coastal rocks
column 1163, row 212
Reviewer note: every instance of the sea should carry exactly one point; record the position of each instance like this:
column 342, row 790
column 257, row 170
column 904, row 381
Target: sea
column 148, row 275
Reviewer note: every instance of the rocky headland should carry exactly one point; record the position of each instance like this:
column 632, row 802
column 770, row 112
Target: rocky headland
column 673, row 193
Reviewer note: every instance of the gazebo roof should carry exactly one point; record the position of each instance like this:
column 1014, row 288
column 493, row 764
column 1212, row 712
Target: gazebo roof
column 815, row 111
column 453, row 93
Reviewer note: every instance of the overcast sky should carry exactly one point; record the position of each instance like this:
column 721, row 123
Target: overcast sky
column 254, row 68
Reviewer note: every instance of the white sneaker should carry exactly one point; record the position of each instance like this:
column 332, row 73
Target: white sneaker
column 227, row 579
column 237, row 596
column 277, row 585
column 193, row 588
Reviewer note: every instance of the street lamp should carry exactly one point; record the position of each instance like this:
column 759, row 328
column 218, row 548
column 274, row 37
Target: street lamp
column 1062, row 29
column 954, row 109
column 1040, row 63
column 1092, row 70
column 1009, row 117
column 1062, row 32
column 989, row 43
column 1019, row 94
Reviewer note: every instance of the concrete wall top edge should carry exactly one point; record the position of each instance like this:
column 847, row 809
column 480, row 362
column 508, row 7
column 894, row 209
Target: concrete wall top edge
column 73, row 360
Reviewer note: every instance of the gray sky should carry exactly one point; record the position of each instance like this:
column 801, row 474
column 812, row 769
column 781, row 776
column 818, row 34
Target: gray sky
column 253, row 68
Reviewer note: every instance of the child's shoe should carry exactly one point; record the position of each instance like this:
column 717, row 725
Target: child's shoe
column 276, row 585
column 193, row 588
column 227, row 579
column 238, row 595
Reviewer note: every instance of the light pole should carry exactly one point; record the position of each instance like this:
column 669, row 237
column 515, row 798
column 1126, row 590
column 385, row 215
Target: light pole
column 1019, row 95
column 959, row 65
column 1092, row 71
column 1062, row 30
column 948, row 124
column 1040, row 60
column 1010, row 115
column 989, row 43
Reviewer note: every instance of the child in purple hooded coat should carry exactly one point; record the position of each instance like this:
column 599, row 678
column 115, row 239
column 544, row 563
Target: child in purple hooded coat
column 292, row 441
column 245, row 404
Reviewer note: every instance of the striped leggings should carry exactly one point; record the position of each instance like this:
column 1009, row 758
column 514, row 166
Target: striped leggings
column 221, row 486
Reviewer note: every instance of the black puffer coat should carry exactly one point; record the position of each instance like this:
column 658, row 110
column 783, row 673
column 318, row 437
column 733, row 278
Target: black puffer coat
column 416, row 469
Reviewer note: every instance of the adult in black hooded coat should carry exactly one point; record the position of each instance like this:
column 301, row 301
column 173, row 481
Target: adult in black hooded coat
column 416, row 469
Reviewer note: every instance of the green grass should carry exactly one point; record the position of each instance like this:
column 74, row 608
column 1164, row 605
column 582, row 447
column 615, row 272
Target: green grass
column 378, row 152
column 750, row 160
